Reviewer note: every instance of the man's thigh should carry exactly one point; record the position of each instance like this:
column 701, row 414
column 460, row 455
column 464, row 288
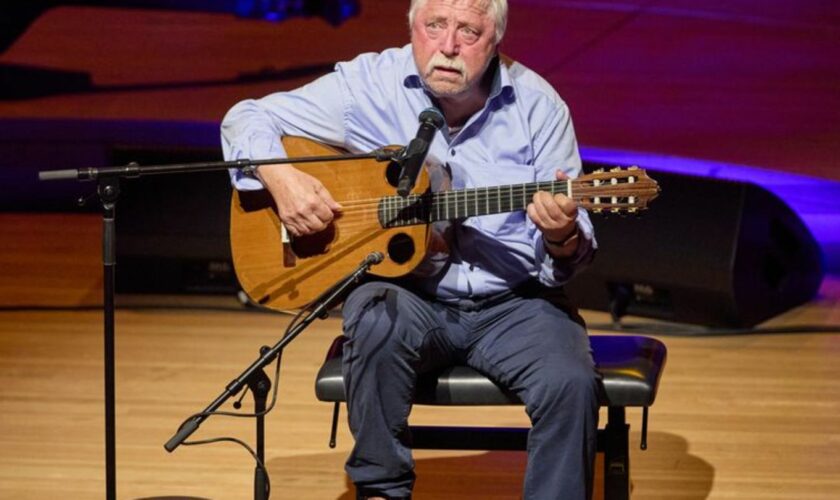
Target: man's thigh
column 530, row 344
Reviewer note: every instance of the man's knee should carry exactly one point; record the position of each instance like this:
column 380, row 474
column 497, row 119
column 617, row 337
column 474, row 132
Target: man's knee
column 571, row 385
column 369, row 308
column 382, row 318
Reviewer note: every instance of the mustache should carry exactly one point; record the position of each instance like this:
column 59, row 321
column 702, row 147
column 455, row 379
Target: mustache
column 439, row 60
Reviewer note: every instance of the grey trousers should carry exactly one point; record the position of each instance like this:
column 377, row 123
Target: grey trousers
column 525, row 344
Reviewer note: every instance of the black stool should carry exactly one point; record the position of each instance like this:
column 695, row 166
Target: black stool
column 630, row 367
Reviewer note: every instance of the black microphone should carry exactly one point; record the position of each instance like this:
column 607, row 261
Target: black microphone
column 415, row 153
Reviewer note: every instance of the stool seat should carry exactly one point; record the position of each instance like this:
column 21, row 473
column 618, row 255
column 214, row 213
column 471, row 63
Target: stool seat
column 630, row 367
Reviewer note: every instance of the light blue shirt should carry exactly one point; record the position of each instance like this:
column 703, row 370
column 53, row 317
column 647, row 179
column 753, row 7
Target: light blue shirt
column 523, row 134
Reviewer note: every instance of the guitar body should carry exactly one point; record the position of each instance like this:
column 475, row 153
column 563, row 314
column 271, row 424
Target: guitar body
column 282, row 274
column 288, row 275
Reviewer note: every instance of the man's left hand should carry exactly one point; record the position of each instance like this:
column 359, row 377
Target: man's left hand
column 556, row 217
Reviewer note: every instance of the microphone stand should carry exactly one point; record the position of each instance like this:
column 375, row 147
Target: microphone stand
column 108, row 189
column 256, row 379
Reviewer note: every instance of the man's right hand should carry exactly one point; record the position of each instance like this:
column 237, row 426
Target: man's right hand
column 303, row 203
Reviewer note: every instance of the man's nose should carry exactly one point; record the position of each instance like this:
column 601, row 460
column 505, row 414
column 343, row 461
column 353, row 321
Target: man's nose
column 450, row 46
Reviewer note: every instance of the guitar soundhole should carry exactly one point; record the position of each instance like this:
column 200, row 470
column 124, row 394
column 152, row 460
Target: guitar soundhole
column 401, row 248
column 392, row 173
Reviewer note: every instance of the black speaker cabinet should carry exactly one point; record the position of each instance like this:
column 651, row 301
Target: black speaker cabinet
column 708, row 252
column 173, row 230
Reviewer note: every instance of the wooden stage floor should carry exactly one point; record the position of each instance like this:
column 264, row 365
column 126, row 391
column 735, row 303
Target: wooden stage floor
column 748, row 417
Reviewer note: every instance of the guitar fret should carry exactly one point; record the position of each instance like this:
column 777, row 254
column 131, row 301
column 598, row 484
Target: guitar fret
column 394, row 209
column 411, row 211
column 446, row 203
column 466, row 211
column 475, row 191
column 399, row 210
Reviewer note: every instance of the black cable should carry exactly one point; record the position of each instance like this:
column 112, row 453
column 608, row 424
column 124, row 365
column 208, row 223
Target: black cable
column 244, row 445
column 292, row 324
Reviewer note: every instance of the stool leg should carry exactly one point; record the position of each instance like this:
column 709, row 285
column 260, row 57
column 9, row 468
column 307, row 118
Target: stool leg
column 334, row 426
column 616, row 455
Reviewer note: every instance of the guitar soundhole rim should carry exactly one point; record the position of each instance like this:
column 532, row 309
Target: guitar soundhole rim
column 392, row 173
column 401, row 248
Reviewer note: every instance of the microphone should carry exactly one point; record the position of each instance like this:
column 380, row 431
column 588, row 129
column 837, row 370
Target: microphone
column 415, row 153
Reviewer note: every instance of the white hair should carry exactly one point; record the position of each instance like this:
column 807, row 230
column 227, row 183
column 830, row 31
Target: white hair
column 497, row 8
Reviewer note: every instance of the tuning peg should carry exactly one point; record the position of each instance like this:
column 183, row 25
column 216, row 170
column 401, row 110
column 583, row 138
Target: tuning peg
column 615, row 210
column 615, row 169
column 598, row 171
column 634, row 167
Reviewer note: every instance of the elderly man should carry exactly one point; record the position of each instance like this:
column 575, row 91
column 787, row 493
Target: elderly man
column 495, row 305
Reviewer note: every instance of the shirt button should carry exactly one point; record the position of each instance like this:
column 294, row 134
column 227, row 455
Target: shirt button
column 452, row 151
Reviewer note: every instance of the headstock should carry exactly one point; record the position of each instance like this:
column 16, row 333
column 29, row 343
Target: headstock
column 617, row 190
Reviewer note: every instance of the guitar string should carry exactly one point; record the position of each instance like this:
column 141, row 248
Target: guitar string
column 370, row 218
column 471, row 195
column 417, row 209
column 512, row 190
column 472, row 202
column 360, row 212
column 415, row 203
column 467, row 200
column 363, row 212
column 483, row 195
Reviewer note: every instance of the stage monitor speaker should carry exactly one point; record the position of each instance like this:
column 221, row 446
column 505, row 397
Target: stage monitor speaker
column 173, row 230
column 709, row 252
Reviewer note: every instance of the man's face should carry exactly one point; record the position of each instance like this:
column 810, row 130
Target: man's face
column 453, row 43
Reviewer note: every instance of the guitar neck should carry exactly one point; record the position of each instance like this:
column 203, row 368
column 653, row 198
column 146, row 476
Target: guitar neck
column 395, row 211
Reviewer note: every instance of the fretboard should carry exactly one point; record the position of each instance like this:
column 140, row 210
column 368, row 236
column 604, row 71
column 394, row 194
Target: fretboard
column 395, row 211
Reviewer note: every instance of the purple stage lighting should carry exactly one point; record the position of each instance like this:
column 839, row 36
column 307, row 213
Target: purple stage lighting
column 334, row 11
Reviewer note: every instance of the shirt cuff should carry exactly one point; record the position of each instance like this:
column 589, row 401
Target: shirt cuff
column 558, row 271
column 256, row 148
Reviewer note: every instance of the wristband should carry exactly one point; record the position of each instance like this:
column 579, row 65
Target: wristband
column 565, row 241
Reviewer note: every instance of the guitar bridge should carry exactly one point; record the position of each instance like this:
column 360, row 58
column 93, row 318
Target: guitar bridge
column 289, row 257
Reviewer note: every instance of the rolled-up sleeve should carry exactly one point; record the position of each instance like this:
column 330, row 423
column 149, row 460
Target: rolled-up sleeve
column 252, row 128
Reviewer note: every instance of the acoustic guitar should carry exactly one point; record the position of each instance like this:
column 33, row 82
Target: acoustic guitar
column 282, row 273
